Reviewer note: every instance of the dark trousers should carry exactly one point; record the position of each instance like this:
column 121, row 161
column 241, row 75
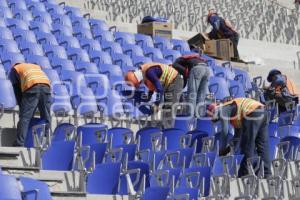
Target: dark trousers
column 39, row 96
column 255, row 137
column 235, row 41
column 172, row 96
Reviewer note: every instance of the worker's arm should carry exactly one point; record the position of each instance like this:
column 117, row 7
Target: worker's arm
column 15, row 80
column 178, row 65
column 229, row 25
column 152, row 76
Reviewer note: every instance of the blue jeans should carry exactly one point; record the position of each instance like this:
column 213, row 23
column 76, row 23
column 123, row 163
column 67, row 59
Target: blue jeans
column 39, row 96
column 197, row 88
column 255, row 137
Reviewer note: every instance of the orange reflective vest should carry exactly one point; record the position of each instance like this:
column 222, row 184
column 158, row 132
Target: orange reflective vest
column 292, row 87
column 245, row 107
column 167, row 77
column 30, row 75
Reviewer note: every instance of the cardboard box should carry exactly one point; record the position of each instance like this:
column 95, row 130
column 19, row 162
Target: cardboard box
column 198, row 40
column 222, row 49
column 163, row 29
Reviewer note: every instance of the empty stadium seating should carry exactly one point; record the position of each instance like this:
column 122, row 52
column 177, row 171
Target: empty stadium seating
column 85, row 60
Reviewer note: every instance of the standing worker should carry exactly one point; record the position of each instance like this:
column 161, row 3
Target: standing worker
column 164, row 80
column 32, row 91
column 250, row 121
column 223, row 29
column 195, row 73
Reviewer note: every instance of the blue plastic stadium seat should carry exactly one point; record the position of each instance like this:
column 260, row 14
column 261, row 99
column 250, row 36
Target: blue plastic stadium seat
column 59, row 156
column 236, row 89
column 172, row 137
column 72, row 11
column 80, row 22
column 100, row 85
column 7, row 97
column 224, row 72
column 92, row 133
column 162, row 43
column 192, row 192
column 273, row 142
column 5, row 12
column 2, row 73
column 2, row 22
column 76, row 79
column 39, row 60
column 36, row 6
column 243, row 77
column 124, row 38
column 68, row 41
column 25, row 35
column 22, row 14
column 16, row 23
column 63, row 132
column 153, row 52
column 80, row 32
column 111, row 47
column 90, row 44
column 146, row 135
column 100, row 57
column 97, row 24
column 184, row 123
column 99, row 149
column 61, row 19
column 144, row 171
column 61, row 102
column 78, row 54
column 43, row 17
column 37, row 27
column 218, row 86
column 143, row 40
column 59, row 30
column 132, row 50
column 104, row 179
column 112, row 71
column 11, row 58
column 42, row 190
column 294, row 143
column 54, row 51
column 5, row 33
column 53, row 76
column 205, row 125
column 32, row 48
column 15, row 4
column 8, row 45
column 86, row 67
column 103, row 36
column 9, row 188
column 170, row 54
column 54, row 9
column 124, row 61
column 157, row 193
column 120, row 136
column 139, row 60
column 46, row 38
column 3, row 3
column 180, row 45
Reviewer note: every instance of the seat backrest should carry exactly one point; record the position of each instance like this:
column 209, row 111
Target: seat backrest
column 104, row 179
column 157, row 193
column 9, row 188
column 145, row 135
column 7, row 97
column 120, row 136
column 31, row 184
column 92, row 133
column 172, row 136
column 59, row 156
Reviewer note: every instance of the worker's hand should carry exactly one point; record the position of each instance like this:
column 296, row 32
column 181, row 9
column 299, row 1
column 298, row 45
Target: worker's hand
column 225, row 151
